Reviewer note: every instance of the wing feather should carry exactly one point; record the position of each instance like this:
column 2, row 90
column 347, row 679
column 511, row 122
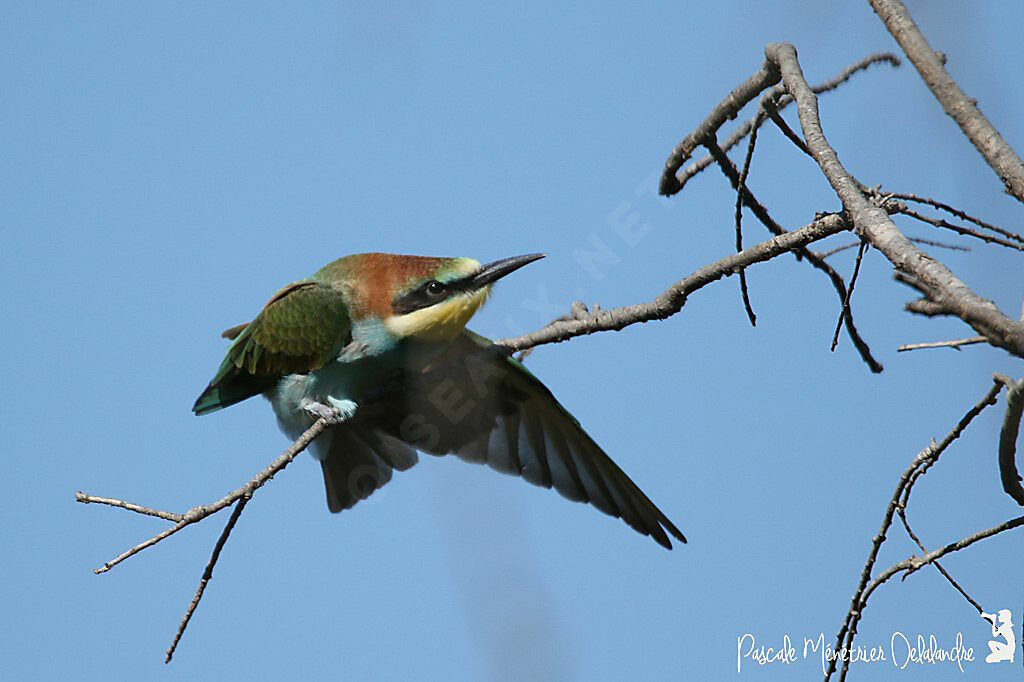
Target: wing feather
column 481, row 405
column 303, row 327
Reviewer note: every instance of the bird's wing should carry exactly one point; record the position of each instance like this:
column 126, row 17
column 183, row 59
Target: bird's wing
column 480, row 404
column 302, row 327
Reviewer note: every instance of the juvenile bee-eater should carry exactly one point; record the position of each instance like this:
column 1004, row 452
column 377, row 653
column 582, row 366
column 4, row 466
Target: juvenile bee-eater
column 377, row 343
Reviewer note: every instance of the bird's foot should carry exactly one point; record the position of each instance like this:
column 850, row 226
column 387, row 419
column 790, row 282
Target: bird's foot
column 334, row 411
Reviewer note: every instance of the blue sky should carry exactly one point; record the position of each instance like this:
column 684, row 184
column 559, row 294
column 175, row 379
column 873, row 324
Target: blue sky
column 167, row 166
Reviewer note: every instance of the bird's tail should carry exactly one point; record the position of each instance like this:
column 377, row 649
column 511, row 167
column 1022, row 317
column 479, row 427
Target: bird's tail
column 357, row 461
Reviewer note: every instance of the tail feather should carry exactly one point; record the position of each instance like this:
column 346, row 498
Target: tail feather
column 357, row 464
column 230, row 390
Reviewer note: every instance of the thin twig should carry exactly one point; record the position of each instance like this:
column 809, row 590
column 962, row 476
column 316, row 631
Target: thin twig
column 966, row 231
column 921, row 461
column 1008, row 438
column 941, row 245
column 955, row 212
column 954, row 344
column 761, row 213
column 849, row 295
column 914, row 564
column 913, row 536
column 916, row 240
column 138, row 509
column 781, row 124
column 739, row 222
column 201, row 512
column 839, row 249
column 208, row 572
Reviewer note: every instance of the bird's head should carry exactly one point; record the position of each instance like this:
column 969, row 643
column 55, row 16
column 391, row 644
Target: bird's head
column 426, row 298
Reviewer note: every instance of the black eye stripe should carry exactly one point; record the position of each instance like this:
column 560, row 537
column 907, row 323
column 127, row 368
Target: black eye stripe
column 423, row 296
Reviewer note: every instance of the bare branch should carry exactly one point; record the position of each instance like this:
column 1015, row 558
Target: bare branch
column 941, row 245
column 872, row 222
column 742, row 184
column 849, row 294
column 673, row 299
column 921, row 462
column 999, row 155
column 208, row 572
column 781, row 124
column 1008, row 438
column 860, row 65
column 784, row 100
column 916, row 240
column 761, row 213
column 966, row 231
column 765, row 77
column 913, row 536
column 954, row 344
column 956, row 212
column 201, row 512
column 916, row 563
column 138, row 509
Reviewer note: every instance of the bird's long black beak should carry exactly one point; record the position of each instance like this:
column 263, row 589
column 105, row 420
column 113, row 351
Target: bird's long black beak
column 494, row 271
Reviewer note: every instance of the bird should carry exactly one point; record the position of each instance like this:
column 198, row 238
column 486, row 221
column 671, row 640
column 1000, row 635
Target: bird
column 377, row 345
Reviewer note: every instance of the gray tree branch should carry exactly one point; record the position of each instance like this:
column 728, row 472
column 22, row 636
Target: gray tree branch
column 683, row 176
column 672, row 300
column 1008, row 438
column 900, row 497
column 941, row 286
column 999, row 155
column 199, row 513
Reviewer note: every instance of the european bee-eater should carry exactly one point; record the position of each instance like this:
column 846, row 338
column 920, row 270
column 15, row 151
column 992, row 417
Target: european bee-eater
column 377, row 343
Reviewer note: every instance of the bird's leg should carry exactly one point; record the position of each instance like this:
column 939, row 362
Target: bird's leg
column 334, row 411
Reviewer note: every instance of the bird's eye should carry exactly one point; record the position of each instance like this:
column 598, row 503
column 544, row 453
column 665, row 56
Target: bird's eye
column 435, row 288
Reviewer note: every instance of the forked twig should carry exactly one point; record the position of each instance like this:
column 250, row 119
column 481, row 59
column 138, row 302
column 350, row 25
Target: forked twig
column 966, row 231
column 242, row 496
column 917, row 562
column 784, row 100
column 913, row 536
column 956, row 212
column 199, row 513
column 921, row 462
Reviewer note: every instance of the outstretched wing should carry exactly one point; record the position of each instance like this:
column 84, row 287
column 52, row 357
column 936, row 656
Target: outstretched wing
column 302, row 327
column 480, row 404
